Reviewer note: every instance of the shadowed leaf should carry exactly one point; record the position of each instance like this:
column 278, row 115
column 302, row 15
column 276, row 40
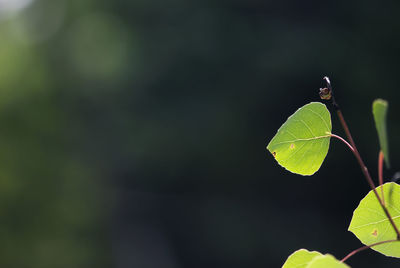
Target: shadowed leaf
column 379, row 110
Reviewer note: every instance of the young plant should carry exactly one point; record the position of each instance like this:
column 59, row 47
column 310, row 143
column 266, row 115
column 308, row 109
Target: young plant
column 301, row 145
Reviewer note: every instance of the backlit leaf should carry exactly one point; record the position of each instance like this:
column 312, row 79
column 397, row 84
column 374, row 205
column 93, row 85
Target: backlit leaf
column 302, row 142
column 326, row 261
column 303, row 258
column 300, row 258
column 370, row 224
column 379, row 110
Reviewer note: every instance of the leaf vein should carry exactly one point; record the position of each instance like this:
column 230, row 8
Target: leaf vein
column 294, row 153
column 306, row 139
column 326, row 124
column 372, row 223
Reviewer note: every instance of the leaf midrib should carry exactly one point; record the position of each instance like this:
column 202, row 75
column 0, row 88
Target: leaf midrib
column 376, row 222
column 304, row 139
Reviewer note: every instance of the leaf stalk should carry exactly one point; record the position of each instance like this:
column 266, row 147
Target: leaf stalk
column 366, row 247
column 344, row 141
column 380, row 173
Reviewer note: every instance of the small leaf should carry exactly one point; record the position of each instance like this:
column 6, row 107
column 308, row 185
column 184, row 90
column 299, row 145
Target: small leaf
column 379, row 110
column 303, row 258
column 326, row 261
column 300, row 258
column 370, row 224
column 302, row 142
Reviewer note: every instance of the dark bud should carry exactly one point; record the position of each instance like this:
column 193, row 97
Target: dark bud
column 325, row 93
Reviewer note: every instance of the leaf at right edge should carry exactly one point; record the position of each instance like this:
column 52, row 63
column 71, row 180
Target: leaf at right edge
column 303, row 258
column 370, row 224
column 379, row 110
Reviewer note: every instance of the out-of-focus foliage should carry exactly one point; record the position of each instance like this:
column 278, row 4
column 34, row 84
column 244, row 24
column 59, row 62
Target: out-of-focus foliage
column 379, row 110
column 54, row 210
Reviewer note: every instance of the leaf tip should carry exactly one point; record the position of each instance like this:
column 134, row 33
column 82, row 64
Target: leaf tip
column 380, row 102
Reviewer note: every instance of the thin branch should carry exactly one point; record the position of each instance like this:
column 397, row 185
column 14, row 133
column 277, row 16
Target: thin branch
column 344, row 141
column 366, row 247
column 380, row 173
column 364, row 169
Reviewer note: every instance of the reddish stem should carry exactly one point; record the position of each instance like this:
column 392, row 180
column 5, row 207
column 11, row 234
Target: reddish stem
column 380, row 173
column 366, row 247
column 344, row 141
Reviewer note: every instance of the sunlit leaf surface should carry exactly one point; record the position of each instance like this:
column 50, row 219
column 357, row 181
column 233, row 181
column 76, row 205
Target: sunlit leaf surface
column 370, row 224
column 326, row 261
column 300, row 258
column 303, row 258
column 302, row 142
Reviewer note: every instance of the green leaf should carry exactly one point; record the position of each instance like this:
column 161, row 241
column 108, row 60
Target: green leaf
column 303, row 258
column 370, row 224
column 326, row 261
column 302, row 142
column 300, row 258
column 379, row 110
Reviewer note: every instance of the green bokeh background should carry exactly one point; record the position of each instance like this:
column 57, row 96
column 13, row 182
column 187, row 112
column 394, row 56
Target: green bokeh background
column 133, row 133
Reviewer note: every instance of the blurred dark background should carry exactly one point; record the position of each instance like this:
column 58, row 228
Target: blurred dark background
column 133, row 133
